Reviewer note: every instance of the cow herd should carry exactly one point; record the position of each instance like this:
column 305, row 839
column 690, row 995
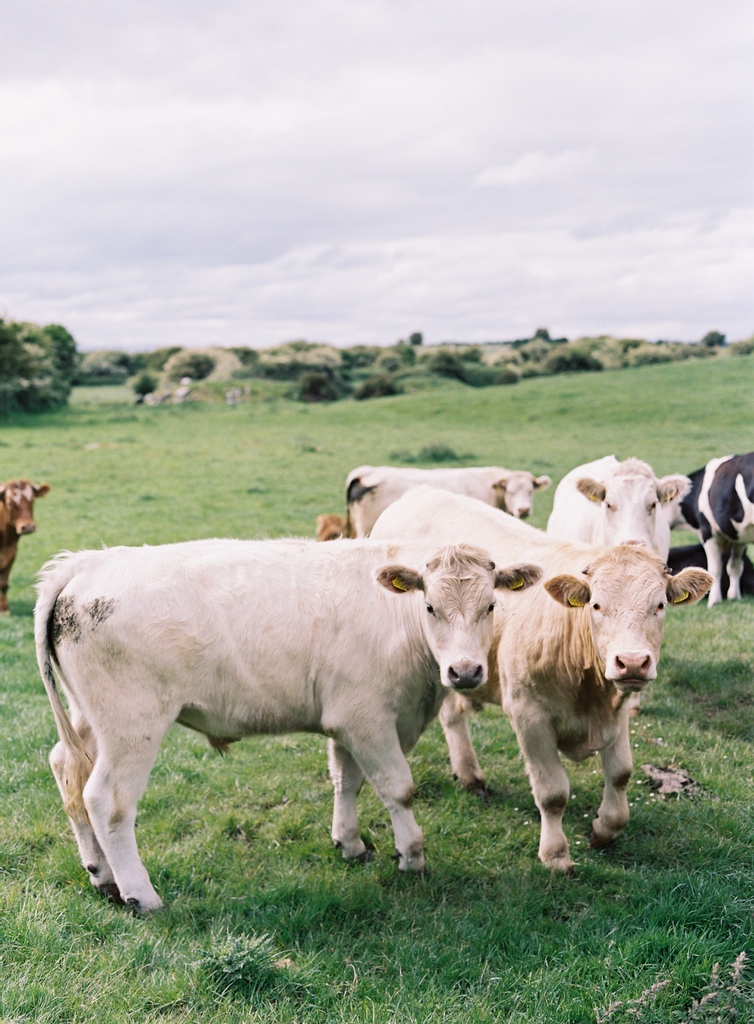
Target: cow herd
column 437, row 598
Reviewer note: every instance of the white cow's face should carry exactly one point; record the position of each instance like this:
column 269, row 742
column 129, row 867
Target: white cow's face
column 626, row 592
column 459, row 587
column 514, row 492
column 631, row 503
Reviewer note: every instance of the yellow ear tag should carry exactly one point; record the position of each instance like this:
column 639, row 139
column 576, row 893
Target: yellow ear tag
column 680, row 600
column 398, row 584
column 575, row 603
column 517, row 585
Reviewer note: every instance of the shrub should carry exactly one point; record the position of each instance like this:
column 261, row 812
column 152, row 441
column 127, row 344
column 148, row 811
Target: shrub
column 569, row 358
column 145, row 383
column 647, row 355
column 288, row 362
column 379, row 385
column 109, row 367
column 446, row 364
column 479, row 375
column 742, row 348
column 36, row 366
column 359, row 357
column 507, row 375
column 470, row 354
column 156, row 360
column 713, row 339
column 248, row 357
column 417, row 338
column 316, row 386
column 189, row 363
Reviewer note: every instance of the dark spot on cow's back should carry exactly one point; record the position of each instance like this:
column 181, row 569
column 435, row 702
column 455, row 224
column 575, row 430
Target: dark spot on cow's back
column 65, row 623
column 99, row 610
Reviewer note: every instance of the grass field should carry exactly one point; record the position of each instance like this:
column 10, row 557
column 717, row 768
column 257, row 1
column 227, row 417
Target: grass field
column 239, row 847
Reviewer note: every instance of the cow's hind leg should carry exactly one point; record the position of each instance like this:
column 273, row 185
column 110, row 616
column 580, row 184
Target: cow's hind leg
column 612, row 816
column 347, row 779
column 92, row 856
column 454, row 718
column 111, row 794
column 735, row 571
column 385, row 765
column 715, row 567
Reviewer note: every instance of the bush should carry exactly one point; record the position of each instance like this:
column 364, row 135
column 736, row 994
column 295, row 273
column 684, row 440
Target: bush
column 507, row 375
column 248, row 357
column 145, row 383
column 479, row 375
column 104, row 368
column 446, row 364
column 647, row 355
column 742, row 348
column 713, row 339
column 359, row 357
column 288, row 362
column 316, row 386
column 570, row 358
column 155, row 360
column 189, row 363
column 37, row 365
column 379, row 385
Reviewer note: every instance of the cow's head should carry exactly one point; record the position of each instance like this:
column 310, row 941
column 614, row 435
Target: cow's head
column 331, row 526
column 459, row 586
column 625, row 592
column 18, row 497
column 631, row 501
column 514, row 491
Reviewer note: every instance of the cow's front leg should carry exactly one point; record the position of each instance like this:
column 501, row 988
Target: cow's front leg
column 385, row 765
column 347, row 779
column 612, row 816
column 715, row 567
column 549, row 783
column 735, row 571
column 454, row 718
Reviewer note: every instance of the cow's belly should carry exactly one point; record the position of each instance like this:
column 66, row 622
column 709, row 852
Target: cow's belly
column 582, row 736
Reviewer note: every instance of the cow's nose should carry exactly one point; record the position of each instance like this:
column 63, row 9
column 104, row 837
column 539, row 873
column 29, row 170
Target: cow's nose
column 466, row 675
column 27, row 527
column 632, row 667
column 523, row 513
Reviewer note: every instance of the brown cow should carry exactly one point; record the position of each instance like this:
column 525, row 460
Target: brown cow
column 16, row 518
column 331, row 526
column 570, row 653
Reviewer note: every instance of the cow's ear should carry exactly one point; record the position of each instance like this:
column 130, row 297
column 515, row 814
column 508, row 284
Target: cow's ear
column 540, row 482
column 501, row 484
column 399, row 580
column 671, row 487
column 518, row 577
column 591, row 489
column 40, row 490
column 689, row 586
column 569, row 591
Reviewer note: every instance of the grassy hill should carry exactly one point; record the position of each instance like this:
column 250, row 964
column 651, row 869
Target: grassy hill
column 239, row 847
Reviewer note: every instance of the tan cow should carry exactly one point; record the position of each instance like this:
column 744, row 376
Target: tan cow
column 569, row 653
column 370, row 489
column 331, row 526
column 16, row 519
column 353, row 639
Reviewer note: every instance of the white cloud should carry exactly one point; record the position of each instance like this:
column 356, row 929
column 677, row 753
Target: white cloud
column 356, row 171
column 534, row 167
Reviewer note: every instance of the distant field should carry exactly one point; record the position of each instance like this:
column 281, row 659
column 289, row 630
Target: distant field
column 239, row 847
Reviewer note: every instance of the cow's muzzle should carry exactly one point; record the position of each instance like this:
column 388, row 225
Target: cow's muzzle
column 22, row 528
column 465, row 675
column 631, row 670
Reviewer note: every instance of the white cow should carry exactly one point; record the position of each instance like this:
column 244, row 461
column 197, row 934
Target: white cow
column 233, row 638
column 611, row 502
column 569, row 654
column 370, row 489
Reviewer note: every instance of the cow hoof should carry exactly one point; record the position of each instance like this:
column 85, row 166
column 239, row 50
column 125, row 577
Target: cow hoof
column 410, row 862
column 140, row 908
column 111, row 891
column 562, row 862
column 476, row 786
column 598, row 842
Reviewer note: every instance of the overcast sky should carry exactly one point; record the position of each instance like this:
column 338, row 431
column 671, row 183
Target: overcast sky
column 230, row 172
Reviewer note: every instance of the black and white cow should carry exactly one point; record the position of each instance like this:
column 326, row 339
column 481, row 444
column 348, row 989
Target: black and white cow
column 720, row 509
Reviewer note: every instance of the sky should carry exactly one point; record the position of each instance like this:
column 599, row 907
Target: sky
column 213, row 172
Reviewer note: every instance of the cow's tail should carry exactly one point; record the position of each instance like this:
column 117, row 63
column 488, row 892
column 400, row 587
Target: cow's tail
column 55, row 575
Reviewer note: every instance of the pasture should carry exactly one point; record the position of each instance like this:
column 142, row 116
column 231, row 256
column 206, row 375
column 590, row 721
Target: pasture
column 264, row 921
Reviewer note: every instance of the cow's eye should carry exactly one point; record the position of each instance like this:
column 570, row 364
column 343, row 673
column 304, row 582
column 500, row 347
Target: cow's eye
column 610, row 508
column 430, row 609
column 597, row 607
column 491, row 608
column 660, row 606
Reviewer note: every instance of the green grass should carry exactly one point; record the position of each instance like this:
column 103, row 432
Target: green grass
column 239, row 847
